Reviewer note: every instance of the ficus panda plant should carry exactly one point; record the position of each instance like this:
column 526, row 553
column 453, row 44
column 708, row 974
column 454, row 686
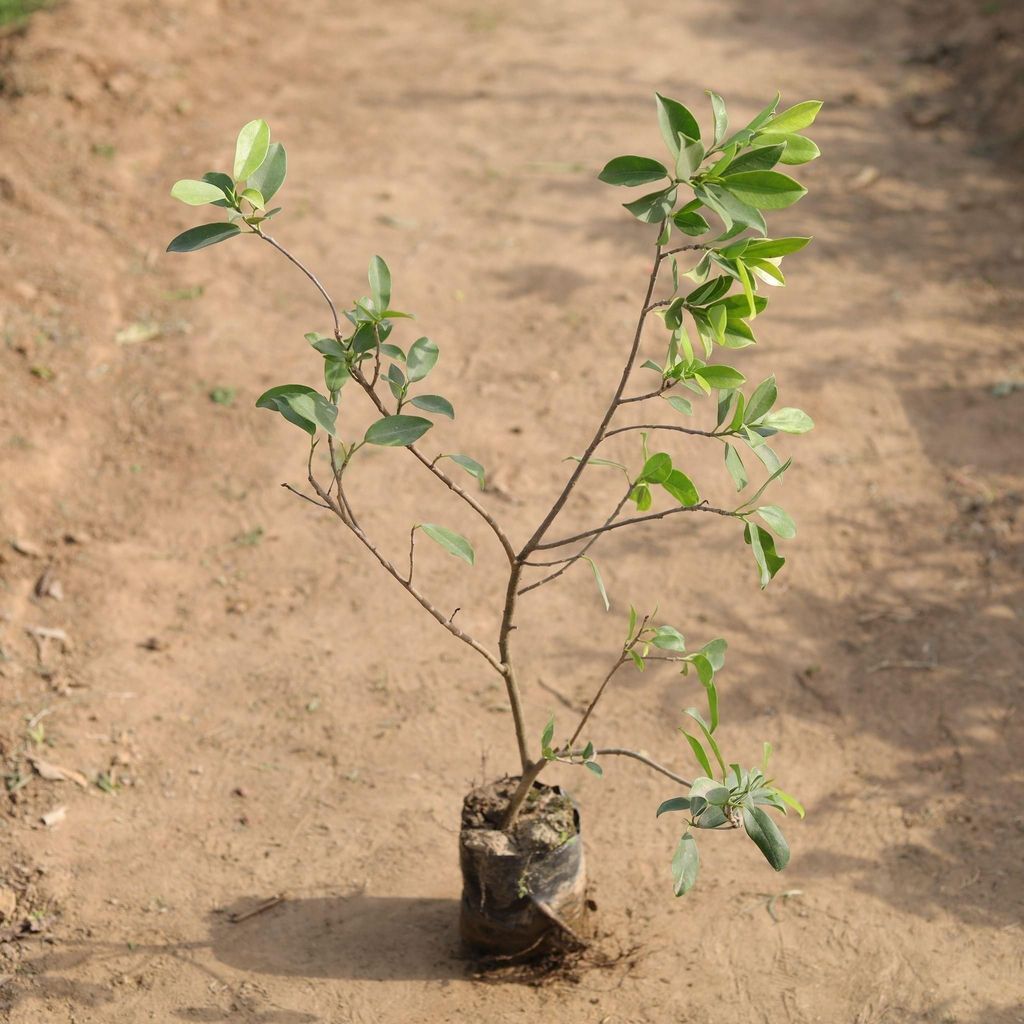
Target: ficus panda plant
column 711, row 259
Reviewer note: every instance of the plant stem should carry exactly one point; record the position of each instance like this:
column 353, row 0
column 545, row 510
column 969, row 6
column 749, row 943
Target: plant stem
column 633, row 521
column 538, row 534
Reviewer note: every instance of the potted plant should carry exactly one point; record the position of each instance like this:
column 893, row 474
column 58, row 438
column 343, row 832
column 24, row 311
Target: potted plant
column 520, row 847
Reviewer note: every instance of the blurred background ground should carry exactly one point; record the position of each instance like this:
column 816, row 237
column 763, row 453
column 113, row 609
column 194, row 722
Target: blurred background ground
column 213, row 698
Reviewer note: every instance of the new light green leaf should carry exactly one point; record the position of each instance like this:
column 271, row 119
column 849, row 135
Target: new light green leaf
column 454, row 543
column 789, row 421
column 681, row 487
column 764, row 190
column 800, row 116
column 196, row 193
column 251, row 148
column 599, row 581
column 722, row 377
column 796, row 148
column 778, row 519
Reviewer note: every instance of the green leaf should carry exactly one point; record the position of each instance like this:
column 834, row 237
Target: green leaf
column 681, row 487
column 764, row 190
column 435, row 404
column 269, row 176
column 748, row 287
column 706, row 674
column 722, row 377
column 680, row 404
column 691, row 156
column 791, row 800
column 734, row 213
column 744, row 134
column 675, row 120
column 656, row 469
column 196, row 193
column 676, row 803
column 710, row 291
column 202, row 236
column 421, row 359
column 668, row 638
column 548, row 734
column 800, row 116
column 685, row 865
column 594, row 767
column 762, row 544
column 699, row 753
column 632, row 170
column 336, row 372
column 652, row 208
column 454, row 543
column 778, row 520
column 600, row 582
column 251, row 148
column 690, row 223
column 761, row 400
column 253, row 196
column 637, row 660
column 380, row 282
column 301, row 405
column 588, row 752
column 720, row 115
column 325, row 346
column 711, row 742
column 223, row 182
column 633, row 619
column 734, row 464
column 776, row 473
column 641, row 495
column 788, row 421
column 797, row 149
column 766, row 836
column 768, row 248
column 397, row 431
column 471, row 466
column 763, row 158
column 714, row 651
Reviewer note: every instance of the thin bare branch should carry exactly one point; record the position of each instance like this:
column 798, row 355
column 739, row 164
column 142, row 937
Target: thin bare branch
column 309, row 273
column 684, row 248
column 663, row 426
column 633, row 522
column 535, row 541
column 412, row 548
column 424, row 602
column 572, row 559
column 306, row 497
column 637, row 756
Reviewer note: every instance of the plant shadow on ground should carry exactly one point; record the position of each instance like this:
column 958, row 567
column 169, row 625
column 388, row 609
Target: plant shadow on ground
column 359, row 937
column 365, row 937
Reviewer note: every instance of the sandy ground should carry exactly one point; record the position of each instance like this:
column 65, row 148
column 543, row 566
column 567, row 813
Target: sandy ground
column 274, row 717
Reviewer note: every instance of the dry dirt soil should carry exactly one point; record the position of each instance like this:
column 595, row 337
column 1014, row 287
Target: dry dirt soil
column 244, row 707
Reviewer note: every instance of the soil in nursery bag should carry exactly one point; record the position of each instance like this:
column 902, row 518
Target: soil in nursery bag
column 523, row 891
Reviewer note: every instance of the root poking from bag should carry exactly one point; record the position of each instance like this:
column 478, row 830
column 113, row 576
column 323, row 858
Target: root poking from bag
column 523, row 891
